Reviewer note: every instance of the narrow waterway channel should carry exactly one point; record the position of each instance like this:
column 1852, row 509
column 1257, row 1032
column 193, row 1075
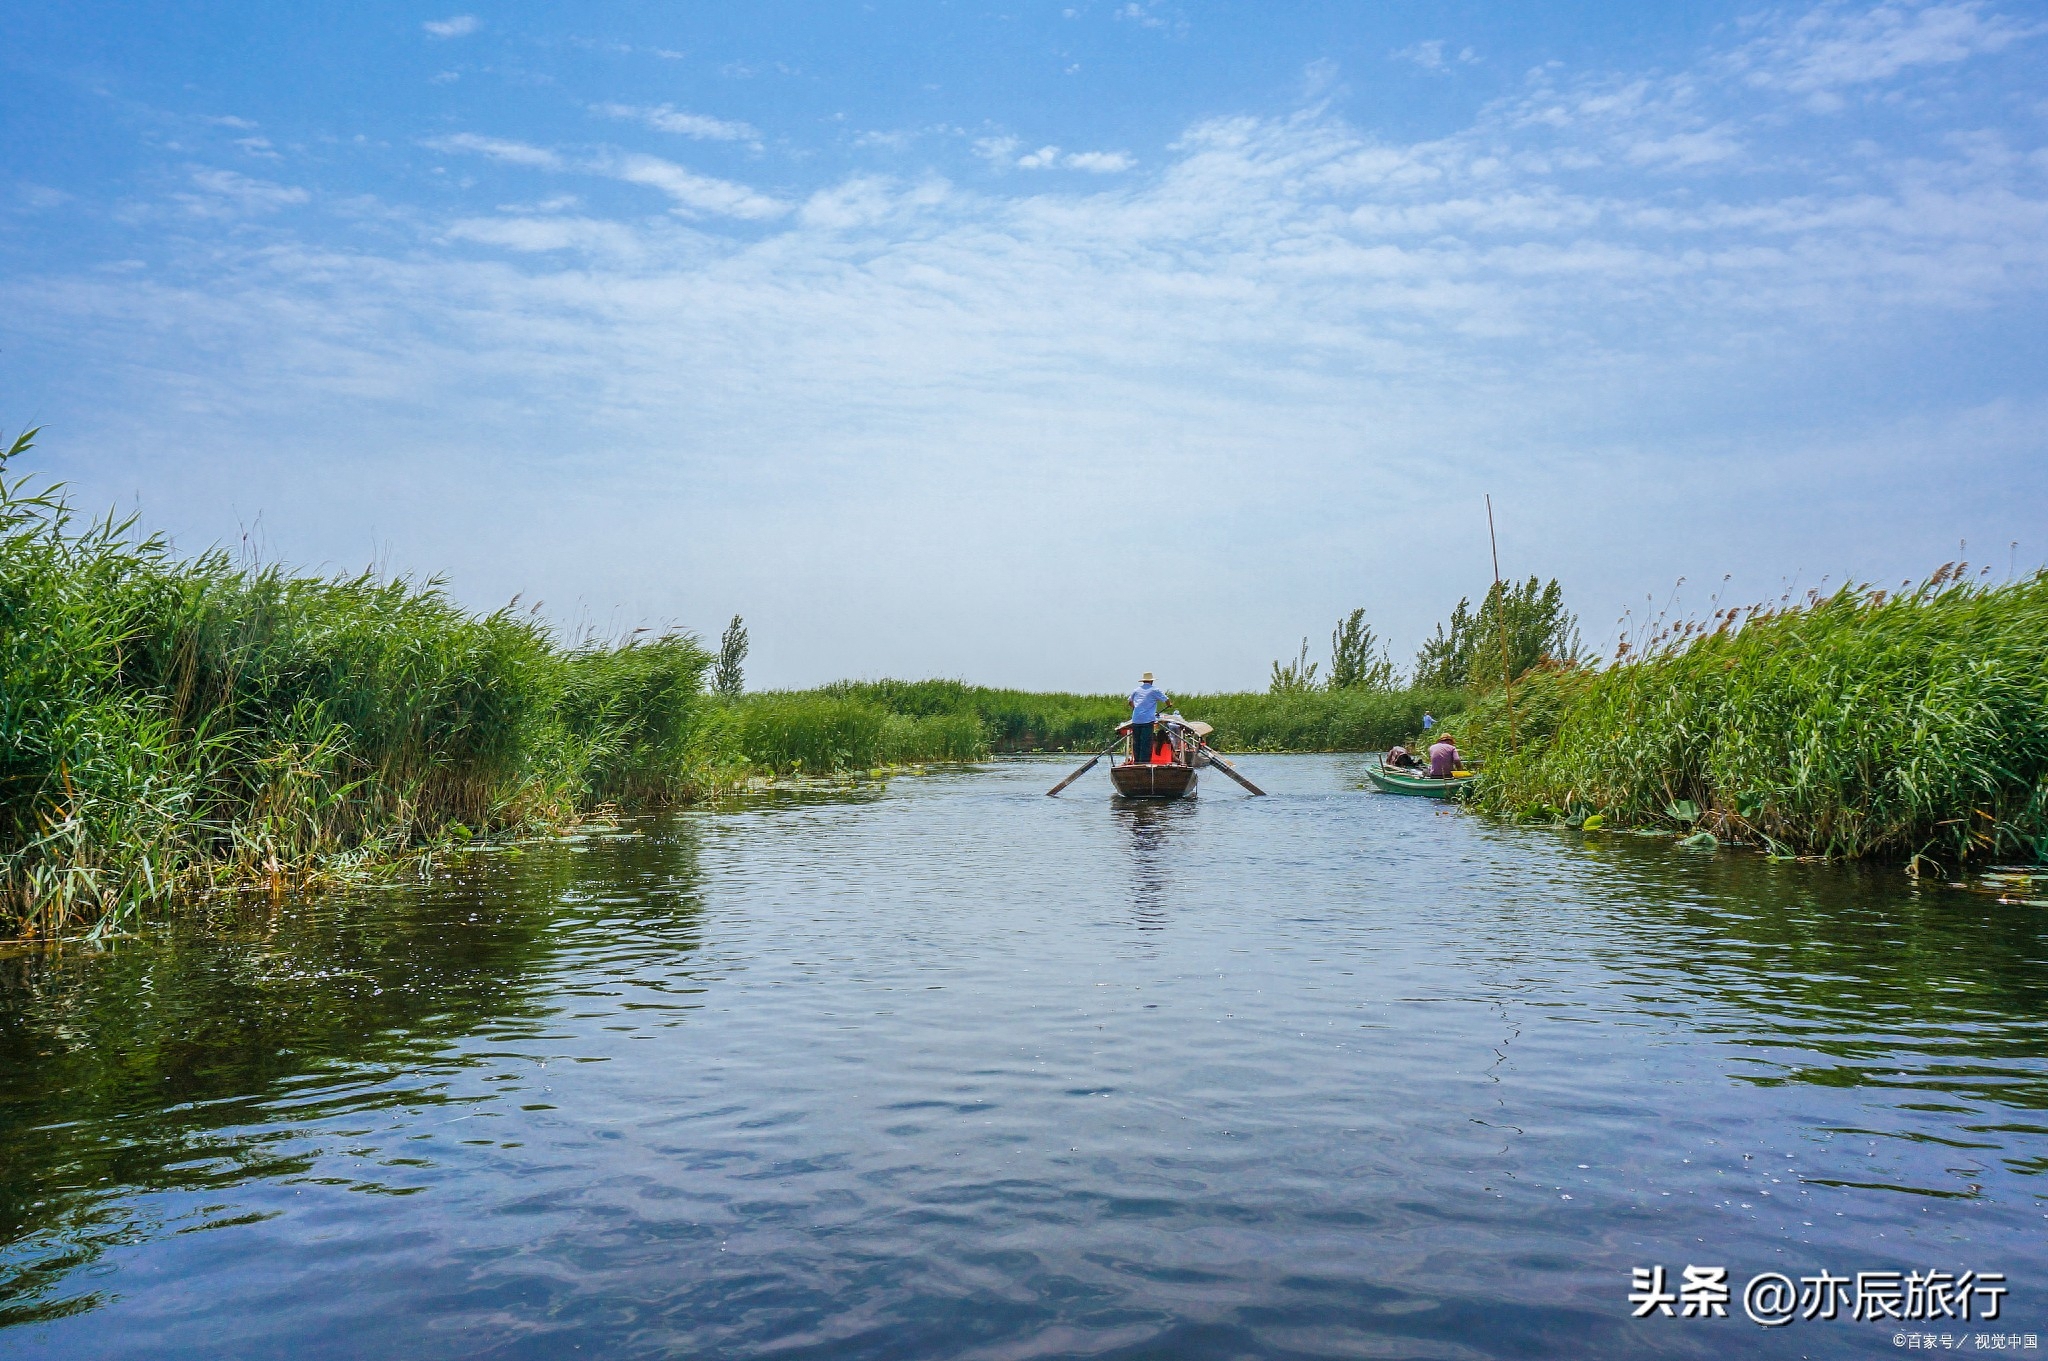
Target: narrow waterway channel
column 951, row 1069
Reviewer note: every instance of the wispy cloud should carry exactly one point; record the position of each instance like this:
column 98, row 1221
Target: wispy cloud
column 223, row 193
column 1003, row 151
column 541, row 234
column 693, row 193
column 1837, row 45
column 499, row 149
column 1615, row 299
column 455, row 26
column 1150, row 14
column 1431, row 56
column 667, row 118
column 1099, row 162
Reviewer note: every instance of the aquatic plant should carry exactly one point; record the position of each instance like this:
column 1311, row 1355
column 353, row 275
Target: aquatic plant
column 1910, row 726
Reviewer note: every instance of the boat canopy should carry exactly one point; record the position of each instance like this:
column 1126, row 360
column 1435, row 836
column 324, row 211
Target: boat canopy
column 1197, row 728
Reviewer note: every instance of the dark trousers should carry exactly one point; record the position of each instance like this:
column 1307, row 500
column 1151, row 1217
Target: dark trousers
column 1141, row 742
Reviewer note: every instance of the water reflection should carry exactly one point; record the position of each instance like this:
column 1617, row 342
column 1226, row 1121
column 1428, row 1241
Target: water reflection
column 188, row 1063
column 871, row 1075
column 1149, row 831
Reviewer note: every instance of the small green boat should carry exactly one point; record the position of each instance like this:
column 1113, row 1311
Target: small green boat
column 1419, row 786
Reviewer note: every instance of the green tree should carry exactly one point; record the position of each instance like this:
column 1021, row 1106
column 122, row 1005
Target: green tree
column 729, row 679
column 1295, row 677
column 1355, row 662
column 1467, row 651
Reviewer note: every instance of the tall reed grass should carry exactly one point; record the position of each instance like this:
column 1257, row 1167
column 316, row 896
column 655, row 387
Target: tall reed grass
column 172, row 724
column 1911, row 726
column 815, row 733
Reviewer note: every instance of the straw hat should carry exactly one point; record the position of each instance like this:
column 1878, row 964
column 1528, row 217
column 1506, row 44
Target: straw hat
column 1147, row 678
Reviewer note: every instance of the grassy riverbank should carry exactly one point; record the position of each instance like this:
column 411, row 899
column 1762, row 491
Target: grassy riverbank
column 170, row 724
column 1857, row 725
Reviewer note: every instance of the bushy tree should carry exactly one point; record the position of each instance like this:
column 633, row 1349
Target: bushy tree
column 1467, row 651
column 1355, row 662
column 729, row 679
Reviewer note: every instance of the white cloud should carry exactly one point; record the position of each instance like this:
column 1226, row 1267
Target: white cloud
column 225, row 193
column 499, row 149
column 455, row 26
column 554, row 203
column 1098, row 162
column 1837, row 45
column 1001, row 150
column 693, row 193
column 666, row 118
column 1593, row 301
column 536, row 234
column 1429, row 55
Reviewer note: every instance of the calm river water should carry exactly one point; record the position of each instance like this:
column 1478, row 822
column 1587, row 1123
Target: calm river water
column 955, row 1070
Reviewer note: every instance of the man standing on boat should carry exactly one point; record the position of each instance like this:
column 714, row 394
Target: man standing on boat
column 1146, row 702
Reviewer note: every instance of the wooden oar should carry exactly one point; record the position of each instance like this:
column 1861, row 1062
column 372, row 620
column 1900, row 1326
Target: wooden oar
column 1231, row 770
column 1086, row 768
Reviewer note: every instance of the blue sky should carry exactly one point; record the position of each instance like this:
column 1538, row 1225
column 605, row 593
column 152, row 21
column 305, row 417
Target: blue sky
column 940, row 338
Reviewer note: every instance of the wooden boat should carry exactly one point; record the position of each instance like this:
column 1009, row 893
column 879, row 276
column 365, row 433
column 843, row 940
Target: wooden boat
column 1134, row 781
column 1173, row 779
column 1187, row 741
column 1420, row 786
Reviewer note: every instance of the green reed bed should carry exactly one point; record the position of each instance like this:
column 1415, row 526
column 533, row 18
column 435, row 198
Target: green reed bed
column 1038, row 721
column 173, row 724
column 817, row 732
column 1857, row 725
column 1013, row 720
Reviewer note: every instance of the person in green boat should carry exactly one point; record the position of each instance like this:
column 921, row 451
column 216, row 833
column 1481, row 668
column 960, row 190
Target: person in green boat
column 1400, row 758
column 1443, row 757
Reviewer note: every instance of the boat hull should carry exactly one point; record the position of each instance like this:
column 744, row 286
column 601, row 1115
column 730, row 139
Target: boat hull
column 1134, row 781
column 1418, row 786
